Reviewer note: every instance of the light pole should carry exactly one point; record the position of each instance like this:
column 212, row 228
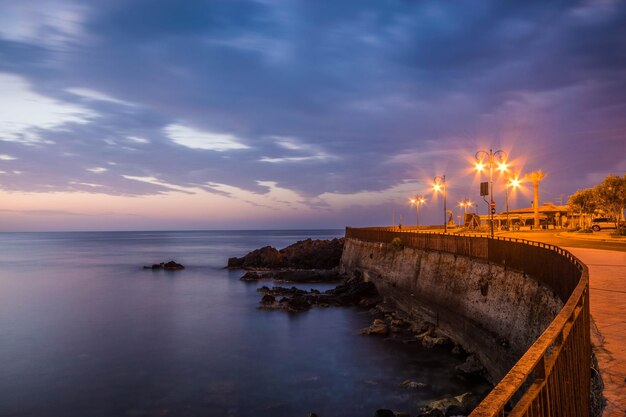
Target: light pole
column 419, row 199
column 465, row 204
column 511, row 182
column 491, row 156
column 439, row 183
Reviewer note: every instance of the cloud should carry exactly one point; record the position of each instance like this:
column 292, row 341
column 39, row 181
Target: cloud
column 24, row 113
column 97, row 170
column 4, row 157
column 53, row 23
column 96, row 95
column 137, row 139
column 341, row 104
column 199, row 139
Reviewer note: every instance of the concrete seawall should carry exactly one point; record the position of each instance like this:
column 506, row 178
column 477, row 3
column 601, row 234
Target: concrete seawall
column 494, row 312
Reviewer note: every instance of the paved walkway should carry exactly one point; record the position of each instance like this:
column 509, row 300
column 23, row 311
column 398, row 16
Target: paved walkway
column 607, row 282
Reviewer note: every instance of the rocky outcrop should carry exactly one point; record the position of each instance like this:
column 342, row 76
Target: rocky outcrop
column 168, row 266
column 352, row 292
column 294, row 275
column 305, row 254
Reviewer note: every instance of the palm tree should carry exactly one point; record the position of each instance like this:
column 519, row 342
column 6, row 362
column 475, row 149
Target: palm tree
column 535, row 177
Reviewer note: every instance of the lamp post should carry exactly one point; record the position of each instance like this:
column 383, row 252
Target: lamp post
column 511, row 182
column 465, row 204
column 417, row 200
column 491, row 157
column 439, row 183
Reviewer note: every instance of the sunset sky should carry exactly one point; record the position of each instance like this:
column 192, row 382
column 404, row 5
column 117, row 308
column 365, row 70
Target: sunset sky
column 159, row 114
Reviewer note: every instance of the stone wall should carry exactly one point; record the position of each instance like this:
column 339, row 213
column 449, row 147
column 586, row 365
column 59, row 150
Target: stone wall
column 492, row 312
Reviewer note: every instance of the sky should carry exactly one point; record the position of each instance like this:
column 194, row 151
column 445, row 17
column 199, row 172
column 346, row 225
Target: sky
column 259, row 114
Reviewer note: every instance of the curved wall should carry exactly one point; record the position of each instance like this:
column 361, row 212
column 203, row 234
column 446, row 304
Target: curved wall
column 492, row 311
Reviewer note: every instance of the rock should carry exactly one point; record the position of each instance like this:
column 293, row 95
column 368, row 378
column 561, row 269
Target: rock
column 169, row 266
column 430, row 342
column 471, row 366
column 469, row 401
column 457, row 350
column 446, row 404
column 431, row 413
column 413, row 385
column 378, row 327
column 305, row 254
column 268, row 300
column 265, row 257
column 297, row 304
column 384, row 413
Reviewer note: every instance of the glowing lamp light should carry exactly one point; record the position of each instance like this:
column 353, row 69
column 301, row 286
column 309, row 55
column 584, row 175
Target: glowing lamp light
column 503, row 167
column 437, row 187
column 515, row 183
column 480, row 166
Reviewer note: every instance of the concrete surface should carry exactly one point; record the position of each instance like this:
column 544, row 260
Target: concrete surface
column 607, row 282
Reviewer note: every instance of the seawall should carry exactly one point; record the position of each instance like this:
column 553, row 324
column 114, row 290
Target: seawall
column 493, row 312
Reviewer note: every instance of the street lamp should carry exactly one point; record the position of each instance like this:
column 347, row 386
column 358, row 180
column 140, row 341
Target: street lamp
column 491, row 158
column 439, row 184
column 465, row 204
column 511, row 182
column 417, row 200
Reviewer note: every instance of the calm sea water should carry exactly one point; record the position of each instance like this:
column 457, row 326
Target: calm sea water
column 85, row 331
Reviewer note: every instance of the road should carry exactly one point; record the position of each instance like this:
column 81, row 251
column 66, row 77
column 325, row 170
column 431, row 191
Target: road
column 556, row 238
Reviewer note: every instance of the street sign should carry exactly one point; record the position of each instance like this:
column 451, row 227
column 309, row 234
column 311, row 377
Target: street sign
column 493, row 204
column 484, row 189
column 493, row 210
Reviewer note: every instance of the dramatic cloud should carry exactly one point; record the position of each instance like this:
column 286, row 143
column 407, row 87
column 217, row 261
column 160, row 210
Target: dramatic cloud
column 346, row 107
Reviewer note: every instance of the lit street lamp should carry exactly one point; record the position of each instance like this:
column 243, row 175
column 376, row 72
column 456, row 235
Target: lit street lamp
column 438, row 185
column 418, row 200
column 465, row 204
column 511, row 182
column 491, row 157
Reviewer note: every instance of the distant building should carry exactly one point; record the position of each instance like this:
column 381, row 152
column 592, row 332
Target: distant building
column 551, row 216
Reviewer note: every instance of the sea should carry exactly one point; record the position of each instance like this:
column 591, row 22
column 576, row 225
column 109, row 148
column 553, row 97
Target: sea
column 85, row 331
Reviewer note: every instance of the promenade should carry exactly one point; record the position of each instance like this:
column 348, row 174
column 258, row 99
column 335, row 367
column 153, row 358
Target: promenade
column 607, row 282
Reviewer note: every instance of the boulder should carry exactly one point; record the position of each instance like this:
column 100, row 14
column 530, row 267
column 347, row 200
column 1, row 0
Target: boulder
column 471, row 366
column 413, row 385
column 268, row 300
column 431, row 413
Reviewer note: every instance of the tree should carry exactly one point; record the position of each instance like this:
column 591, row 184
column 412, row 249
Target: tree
column 611, row 196
column 583, row 201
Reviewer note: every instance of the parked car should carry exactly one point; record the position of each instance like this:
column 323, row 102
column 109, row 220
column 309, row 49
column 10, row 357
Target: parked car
column 602, row 223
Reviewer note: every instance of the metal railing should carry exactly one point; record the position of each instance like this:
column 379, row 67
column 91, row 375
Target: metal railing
column 552, row 378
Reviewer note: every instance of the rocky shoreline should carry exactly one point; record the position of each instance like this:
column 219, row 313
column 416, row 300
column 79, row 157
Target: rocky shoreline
column 311, row 261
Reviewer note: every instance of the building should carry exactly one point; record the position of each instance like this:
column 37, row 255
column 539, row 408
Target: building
column 551, row 216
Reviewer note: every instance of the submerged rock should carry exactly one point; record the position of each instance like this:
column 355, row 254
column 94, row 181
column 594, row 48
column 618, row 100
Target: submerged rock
column 378, row 327
column 294, row 275
column 413, row 384
column 352, row 292
column 471, row 366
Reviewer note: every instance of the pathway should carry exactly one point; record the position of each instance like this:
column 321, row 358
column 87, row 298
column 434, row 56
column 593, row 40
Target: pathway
column 607, row 282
